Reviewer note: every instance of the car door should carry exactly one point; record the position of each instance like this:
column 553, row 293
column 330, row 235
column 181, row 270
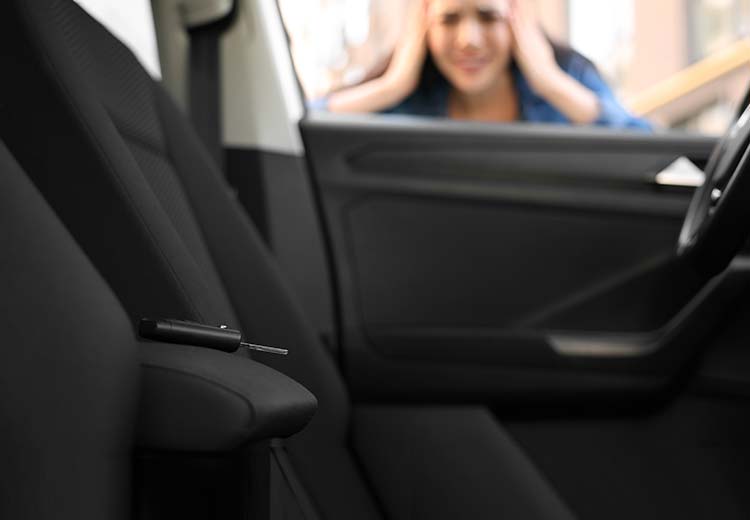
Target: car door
column 498, row 261
column 502, row 261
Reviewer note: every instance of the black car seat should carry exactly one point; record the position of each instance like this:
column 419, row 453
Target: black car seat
column 68, row 369
column 127, row 174
column 71, row 380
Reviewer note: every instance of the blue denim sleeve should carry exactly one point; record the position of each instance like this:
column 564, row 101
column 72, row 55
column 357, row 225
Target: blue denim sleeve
column 318, row 105
column 612, row 113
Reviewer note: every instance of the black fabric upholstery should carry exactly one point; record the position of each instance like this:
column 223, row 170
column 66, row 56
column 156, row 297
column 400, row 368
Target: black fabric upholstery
column 690, row 460
column 258, row 290
column 449, row 462
column 83, row 100
column 68, row 370
column 199, row 400
column 132, row 181
column 81, row 97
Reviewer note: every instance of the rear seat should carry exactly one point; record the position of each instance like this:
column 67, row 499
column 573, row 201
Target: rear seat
column 128, row 176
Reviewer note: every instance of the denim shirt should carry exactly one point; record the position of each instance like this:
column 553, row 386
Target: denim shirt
column 433, row 102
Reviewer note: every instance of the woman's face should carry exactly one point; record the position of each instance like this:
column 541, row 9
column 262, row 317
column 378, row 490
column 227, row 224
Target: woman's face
column 470, row 42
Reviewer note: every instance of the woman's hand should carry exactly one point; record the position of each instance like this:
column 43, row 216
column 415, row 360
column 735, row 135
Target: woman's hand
column 531, row 48
column 401, row 76
column 408, row 56
column 535, row 57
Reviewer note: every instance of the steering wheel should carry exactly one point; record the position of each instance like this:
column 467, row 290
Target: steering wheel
column 717, row 223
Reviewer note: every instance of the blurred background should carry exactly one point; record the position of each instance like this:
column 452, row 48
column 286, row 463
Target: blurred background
column 684, row 64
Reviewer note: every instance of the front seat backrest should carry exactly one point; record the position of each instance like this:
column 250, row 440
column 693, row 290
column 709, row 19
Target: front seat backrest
column 128, row 176
column 68, row 370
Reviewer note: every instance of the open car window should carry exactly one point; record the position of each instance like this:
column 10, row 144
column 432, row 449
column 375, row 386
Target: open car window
column 680, row 64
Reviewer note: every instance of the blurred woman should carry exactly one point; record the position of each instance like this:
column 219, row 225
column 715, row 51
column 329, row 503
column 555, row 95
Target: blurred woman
column 485, row 60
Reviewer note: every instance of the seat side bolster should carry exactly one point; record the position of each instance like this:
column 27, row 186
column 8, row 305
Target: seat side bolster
column 199, row 400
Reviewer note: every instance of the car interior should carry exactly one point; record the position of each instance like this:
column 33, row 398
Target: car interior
column 482, row 321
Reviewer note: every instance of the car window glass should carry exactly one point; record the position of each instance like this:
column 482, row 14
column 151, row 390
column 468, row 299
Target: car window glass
column 681, row 64
column 132, row 23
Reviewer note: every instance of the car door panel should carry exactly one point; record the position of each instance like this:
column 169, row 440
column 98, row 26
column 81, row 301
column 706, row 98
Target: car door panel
column 476, row 259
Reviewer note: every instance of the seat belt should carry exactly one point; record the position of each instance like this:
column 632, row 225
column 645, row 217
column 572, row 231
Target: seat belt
column 206, row 21
column 204, row 89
